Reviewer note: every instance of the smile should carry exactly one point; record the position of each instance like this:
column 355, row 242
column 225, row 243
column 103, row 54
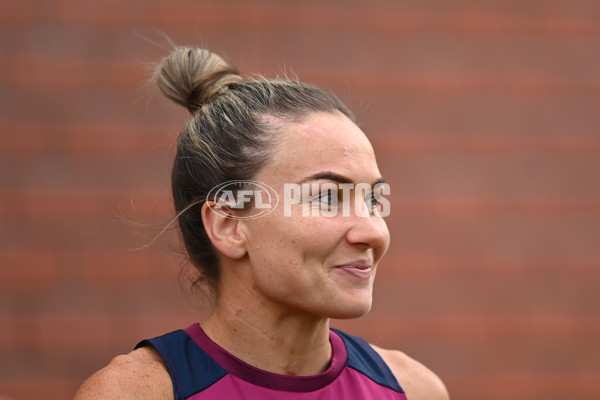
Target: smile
column 358, row 269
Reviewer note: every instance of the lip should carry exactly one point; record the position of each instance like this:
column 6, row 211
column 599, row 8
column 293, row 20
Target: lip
column 360, row 269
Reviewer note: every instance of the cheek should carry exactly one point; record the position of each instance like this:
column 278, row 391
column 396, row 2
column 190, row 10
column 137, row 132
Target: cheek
column 295, row 244
column 290, row 251
column 315, row 238
column 299, row 250
column 289, row 235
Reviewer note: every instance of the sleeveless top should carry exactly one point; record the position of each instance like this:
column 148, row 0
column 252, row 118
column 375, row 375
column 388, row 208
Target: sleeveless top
column 202, row 370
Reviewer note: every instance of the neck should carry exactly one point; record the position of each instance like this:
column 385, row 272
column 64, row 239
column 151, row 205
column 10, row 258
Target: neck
column 290, row 343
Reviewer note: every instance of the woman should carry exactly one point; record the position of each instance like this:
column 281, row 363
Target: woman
column 277, row 277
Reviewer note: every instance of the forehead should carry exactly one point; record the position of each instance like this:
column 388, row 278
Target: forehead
column 322, row 142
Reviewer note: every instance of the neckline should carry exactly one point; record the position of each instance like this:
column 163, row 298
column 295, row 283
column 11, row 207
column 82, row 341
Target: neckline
column 259, row 377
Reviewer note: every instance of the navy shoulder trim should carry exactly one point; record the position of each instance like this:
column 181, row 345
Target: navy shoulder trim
column 191, row 369
column 363, row 358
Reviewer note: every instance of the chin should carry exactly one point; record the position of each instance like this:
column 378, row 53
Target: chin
column 351, row 311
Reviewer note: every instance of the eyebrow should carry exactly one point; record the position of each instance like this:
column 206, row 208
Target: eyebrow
column 333, row 176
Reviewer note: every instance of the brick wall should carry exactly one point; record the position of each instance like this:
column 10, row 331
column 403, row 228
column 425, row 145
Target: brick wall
column 484, row 116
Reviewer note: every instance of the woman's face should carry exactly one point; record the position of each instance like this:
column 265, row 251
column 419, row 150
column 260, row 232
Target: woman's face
column 322, row 263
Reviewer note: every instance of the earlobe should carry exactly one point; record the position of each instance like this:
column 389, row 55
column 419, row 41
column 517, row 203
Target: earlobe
column 224, row 231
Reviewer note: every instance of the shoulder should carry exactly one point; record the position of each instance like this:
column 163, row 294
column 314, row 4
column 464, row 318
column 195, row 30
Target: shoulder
column 140, row 374
column 418, row 381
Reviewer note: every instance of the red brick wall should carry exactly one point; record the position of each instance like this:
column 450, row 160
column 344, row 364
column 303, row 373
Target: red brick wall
column 485, row 118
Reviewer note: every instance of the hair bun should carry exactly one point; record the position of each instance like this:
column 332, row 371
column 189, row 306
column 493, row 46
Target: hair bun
column 191, row 76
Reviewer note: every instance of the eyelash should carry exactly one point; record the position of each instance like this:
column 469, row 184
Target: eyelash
column 330, row 195
column 372, row 200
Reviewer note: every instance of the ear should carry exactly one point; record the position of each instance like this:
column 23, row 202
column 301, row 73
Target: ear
column 224, row 231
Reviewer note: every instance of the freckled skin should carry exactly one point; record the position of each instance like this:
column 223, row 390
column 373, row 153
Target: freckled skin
column 293, row 258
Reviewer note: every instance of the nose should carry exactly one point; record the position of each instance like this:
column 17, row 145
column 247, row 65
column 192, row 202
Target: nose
column 368, row 230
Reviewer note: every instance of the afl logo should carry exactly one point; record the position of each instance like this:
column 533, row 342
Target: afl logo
column 255, row 198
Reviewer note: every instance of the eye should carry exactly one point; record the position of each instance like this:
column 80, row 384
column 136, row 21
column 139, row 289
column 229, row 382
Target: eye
column 373, row 200
column 328, row 198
